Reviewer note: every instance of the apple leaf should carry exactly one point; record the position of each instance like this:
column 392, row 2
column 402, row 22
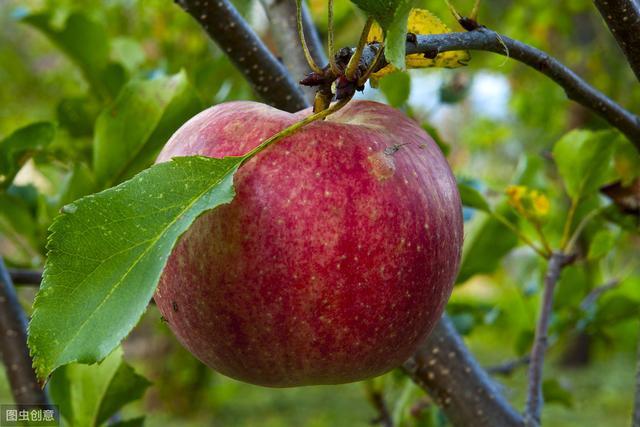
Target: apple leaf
column 85, row 42
column 472, row 198
column 88, row 395
column 130, row 132
column 107, row 252
column 18, row 147
column 584, row 160
column 602, row 244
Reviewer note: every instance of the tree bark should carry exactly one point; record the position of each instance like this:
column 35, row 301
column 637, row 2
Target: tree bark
column 13, row 346
column 623, row 19
column 445, row 369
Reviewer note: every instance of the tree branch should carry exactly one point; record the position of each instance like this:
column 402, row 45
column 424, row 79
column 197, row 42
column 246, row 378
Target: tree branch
column 534, row 396
column 623, row 19
column 25, row 277
column 268, row 77
column 574, row 86
column 446, row 370
column 376, row 398
column 509, row 367
column 282, row 18
column 13, row 346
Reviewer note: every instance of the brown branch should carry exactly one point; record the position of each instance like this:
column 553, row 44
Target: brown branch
column 268, row 77
column 446, row 370
column 533, row 406
column 13, row 346
column 282, row 18
column 623, row 19
column 507, row 368
column 376, row 398
column 25, row 277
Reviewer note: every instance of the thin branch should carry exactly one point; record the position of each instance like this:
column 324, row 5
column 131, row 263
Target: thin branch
column 623, row 19
column 507, row 368
column 574, row 86
column 597, row 292
column 268, row 77
column 534, row 397
column 284, row 29
column 376, row 398
column 446, row 370
column 13, row 346
column 25, row 277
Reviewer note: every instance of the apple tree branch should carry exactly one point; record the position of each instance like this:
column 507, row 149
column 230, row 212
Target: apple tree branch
column 445, row 369
column 576, row 88
column 623, row 19
column 268, row 76
column 282, row 19
column 13, row 346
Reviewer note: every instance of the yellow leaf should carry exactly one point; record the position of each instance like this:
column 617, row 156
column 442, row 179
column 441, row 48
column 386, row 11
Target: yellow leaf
column 422, row 22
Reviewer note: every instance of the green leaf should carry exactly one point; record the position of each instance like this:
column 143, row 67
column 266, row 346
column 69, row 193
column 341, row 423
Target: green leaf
column 21, row 145
column 554, row 392
column 126, row 386
column 396, row 88
column 18, row 225
column 616, row 309
column 626, row 161
column 130, row 133
column 88, row 395
column 584, row 160
column 602, row 243
column 107, row 252
column 84, row 41
column 472, row 198
column 133, row 422
column 486, row 247
column 392, row 16
column 77, row 115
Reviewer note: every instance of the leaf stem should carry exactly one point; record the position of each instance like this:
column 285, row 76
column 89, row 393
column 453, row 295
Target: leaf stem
column 568, row 223
column 307, row 54
column 330, row 43
column 543, row 253
column 354, row 62
column 290, row 130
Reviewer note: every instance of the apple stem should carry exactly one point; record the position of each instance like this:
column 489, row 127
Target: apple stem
column 307, row 54
column 290, row 130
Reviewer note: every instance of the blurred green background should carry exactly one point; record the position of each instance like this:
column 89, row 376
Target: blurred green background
column 496, row 119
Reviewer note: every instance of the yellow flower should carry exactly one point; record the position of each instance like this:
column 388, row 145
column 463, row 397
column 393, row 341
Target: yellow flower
column 540, row 203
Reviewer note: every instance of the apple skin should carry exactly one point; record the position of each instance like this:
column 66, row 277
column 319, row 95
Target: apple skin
column 334, row 260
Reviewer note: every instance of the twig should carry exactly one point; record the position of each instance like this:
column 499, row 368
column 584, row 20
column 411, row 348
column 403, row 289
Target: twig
column 534, row 397
column 25, row 277
column 446, row 370
column 13, row 346
column 268, row 77
column 597, row 293
column 376, row 398
column 509, row 367
column 574, row 86
column 282, row 19
column 623, row 19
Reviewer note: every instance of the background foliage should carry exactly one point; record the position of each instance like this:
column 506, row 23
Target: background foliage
column 101, row 86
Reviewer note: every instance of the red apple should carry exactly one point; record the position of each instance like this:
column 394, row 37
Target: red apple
column 334, row 260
